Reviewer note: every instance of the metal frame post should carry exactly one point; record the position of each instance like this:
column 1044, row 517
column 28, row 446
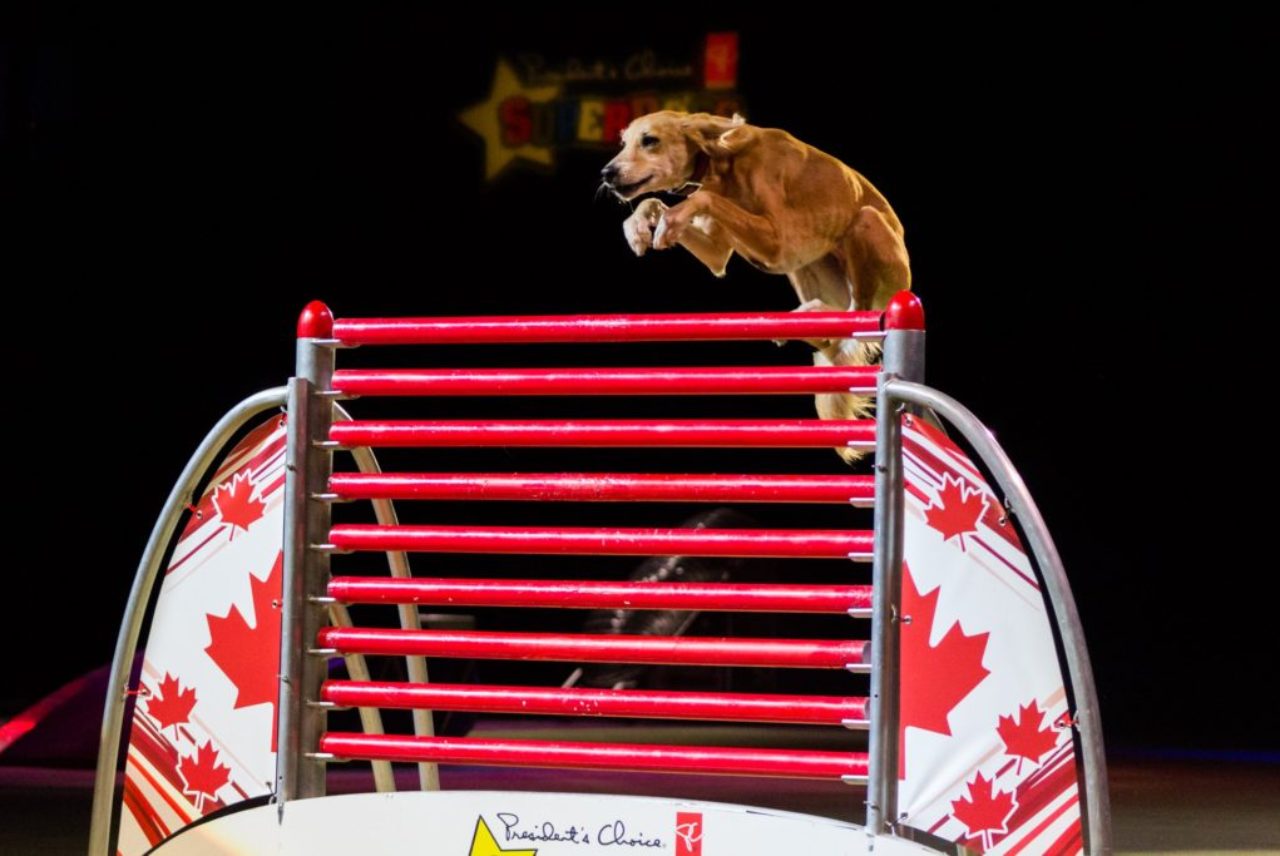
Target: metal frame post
column 903, row 358
column 300, row 774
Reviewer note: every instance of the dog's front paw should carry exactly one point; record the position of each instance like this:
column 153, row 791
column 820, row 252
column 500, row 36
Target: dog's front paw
column 639, row 234
column 638, row 228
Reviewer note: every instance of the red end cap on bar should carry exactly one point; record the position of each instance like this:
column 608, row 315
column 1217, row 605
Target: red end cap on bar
column 315, row 322
column 904, row 312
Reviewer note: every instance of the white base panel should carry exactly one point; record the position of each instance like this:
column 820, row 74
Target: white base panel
column 490, row 823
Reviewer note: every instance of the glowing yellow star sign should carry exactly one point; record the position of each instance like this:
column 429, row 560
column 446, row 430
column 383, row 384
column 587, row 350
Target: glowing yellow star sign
column 485, row 119
column 484, row 844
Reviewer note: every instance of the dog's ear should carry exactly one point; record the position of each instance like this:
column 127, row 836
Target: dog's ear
column 717, row 136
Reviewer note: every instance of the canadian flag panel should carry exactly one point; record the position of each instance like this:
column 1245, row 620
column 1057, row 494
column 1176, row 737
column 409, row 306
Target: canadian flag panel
column 203, row 731
column 986, row 751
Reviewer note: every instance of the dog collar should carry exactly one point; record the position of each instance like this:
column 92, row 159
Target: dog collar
column 700, row 166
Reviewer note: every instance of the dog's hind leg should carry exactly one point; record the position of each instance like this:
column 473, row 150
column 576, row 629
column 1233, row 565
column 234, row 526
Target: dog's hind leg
column 845, row 405
column 877, row 265
column 822, row 287
column 877, row 259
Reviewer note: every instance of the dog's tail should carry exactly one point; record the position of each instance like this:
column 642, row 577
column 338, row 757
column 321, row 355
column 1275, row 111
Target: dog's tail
column 844, row 405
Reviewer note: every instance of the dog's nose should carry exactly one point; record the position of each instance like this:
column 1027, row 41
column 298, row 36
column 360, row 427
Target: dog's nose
column 609, row 173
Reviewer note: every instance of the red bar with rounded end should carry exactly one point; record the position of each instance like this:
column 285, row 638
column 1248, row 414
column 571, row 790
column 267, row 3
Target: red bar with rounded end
column 765, row 380
column 315, row 321
column 589, row 541
column 606, row 328
column 596, row 648
column 576, row 594
column 719, row 433
column 656, row 704
column 605, row 487
column 904, row 312
column 633, row 757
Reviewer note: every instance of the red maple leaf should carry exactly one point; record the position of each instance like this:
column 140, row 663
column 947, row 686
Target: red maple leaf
column 957, row 509
column 983, row 810
column 236, row 503
column 202, row 774
column 170, row 704
column 250, row 656
column 1024, row 738
column 935, row 678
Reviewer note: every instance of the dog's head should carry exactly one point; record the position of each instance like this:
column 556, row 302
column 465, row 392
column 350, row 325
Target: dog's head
column 660, row 151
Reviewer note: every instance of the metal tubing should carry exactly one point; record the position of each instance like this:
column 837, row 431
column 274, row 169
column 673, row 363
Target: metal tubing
column 398, row 564
column 657, row 704
column 780, row 763
column 607, row 328
column 135, row 611
column 306, row 572
column 574, row 594
column 716, row 433
column 606, row 487
column 762, row 380
column 596, row 648
column 1054, row 576
column 586, row 541
column 903, row 354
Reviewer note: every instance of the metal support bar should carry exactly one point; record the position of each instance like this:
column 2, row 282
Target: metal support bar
column 1096, row 796
column 903, row 355
column 135, row 611
column 306, row 573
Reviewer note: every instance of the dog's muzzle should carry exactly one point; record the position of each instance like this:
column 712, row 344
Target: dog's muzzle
column 610, row 175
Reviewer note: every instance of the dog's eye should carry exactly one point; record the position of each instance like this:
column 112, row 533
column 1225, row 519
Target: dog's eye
column 648, row 141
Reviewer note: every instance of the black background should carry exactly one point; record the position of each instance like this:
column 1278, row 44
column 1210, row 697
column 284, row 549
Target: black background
column 1084, row 205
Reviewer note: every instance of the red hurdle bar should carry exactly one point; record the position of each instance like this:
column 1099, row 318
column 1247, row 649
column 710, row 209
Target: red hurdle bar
column 610, row 328
column 573, row 594
column 778, row 763
column 776, row 433
column 597, row 648
column 605, row 487
column 589, row 541
column 658, row 704
column 763, row 380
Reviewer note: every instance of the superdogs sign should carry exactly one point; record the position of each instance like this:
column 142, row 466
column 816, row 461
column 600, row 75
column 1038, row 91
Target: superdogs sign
column 537, row 107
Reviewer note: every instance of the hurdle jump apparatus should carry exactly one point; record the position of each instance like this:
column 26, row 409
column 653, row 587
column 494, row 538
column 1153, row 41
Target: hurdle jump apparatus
column 982, row 720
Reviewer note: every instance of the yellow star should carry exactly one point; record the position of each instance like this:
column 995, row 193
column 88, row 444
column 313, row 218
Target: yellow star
column 484, row 118
column 484, row 844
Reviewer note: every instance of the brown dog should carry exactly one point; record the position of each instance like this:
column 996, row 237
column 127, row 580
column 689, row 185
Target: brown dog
column 781, row 204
